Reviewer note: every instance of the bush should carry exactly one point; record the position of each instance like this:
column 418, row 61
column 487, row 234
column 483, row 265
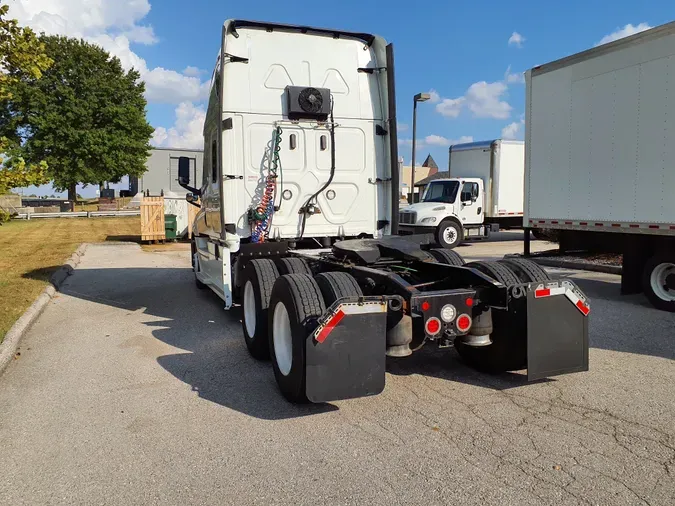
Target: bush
column 5, row 216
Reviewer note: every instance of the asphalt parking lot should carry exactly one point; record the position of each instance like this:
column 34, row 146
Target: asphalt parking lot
column 134, row 387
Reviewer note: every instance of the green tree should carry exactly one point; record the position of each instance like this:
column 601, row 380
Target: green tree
column 85, row 117
column 22, row 57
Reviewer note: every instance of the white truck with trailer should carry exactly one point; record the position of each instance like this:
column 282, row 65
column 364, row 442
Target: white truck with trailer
column 483, row 192
column 301, row 151
column 600, row 160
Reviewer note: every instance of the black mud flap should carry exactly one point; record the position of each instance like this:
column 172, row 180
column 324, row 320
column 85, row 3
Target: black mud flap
column 557, row 329
column 345, row 355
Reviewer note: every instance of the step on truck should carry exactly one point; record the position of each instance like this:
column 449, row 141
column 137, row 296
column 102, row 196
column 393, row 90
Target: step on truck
column 298, row 225
column 481, row 192
column 600, row 172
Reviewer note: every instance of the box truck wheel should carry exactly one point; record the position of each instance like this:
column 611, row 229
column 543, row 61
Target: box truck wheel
column 449, row 234
column 259, row 278
column 336, row 285
column 295, row 306
column 445, row 256
column 658, row 281
column 293, row 265
column 195, row 265
column 526, row 270
column 508, row 350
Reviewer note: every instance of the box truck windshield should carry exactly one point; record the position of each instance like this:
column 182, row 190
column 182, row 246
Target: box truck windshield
column 441, row 191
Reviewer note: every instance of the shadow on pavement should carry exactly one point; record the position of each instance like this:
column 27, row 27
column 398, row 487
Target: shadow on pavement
column 210, row 352
column 215, row 362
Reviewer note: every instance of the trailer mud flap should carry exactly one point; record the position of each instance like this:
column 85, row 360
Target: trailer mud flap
column 345, row 355
column 557, row 329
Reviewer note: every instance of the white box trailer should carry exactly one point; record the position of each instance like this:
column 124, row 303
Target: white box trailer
column 301, row 151
column 500, row 164
column 600, row 158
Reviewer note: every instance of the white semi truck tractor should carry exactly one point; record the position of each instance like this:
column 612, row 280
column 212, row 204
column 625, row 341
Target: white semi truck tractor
column 298, row 224
column 481, row 193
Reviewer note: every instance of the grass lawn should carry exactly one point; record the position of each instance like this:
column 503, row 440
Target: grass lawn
column 30, row 251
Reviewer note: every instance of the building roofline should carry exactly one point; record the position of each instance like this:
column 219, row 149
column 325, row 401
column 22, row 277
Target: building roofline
column 153, row 148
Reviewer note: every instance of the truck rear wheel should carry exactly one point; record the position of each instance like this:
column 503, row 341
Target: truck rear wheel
column 445, row 256
column 658, row 281
column 295, row 306
column 449, row 234
column 336, row 285
column 526, row 270
column 497, row 271
column 293, row 265
column 508, row 351
column 259, row 278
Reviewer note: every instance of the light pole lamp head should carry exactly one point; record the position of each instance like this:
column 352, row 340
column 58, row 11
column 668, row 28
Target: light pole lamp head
column 422, row 97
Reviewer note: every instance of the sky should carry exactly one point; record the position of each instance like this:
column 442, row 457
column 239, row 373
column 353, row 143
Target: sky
column 470, row 56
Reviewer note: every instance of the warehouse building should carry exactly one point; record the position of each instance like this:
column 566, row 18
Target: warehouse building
column 162, row 172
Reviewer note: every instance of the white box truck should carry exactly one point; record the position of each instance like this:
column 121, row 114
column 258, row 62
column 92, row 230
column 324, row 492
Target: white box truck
column 301, row 151
column 600, row 158
column 481, row 192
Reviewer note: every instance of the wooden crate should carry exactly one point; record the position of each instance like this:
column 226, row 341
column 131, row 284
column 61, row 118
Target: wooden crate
column 152, row 219
column 192, row 213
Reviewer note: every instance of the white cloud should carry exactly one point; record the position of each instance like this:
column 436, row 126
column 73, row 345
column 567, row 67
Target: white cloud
column 435, row 97
column 141, row 34
column 406, row 142
column 113, row 25
column 513, row 130
column 401, row 127
column 626, row 31
column 513, row 77
column 437, row 140
column 187, row 131
column 191, row 71
column 484, row 100
column 516, row 39
column 450, row 107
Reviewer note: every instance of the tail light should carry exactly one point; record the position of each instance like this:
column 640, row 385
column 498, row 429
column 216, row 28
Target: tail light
column 464, row 322
column 433, row 326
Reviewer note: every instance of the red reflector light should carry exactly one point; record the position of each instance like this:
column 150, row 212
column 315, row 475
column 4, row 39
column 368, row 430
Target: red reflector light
column 469, row 302
column 542, row 293
column 464, row 323
column 583, row 308
column 425, row 306
column 433, row 326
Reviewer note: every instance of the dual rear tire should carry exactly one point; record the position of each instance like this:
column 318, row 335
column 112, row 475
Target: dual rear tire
column 508, row 350
column 282, row 311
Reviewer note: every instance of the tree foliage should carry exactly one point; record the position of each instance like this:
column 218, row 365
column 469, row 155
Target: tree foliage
column 22, row 56
column 85, row 117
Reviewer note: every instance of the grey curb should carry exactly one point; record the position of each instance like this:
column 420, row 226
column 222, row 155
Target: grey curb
column 583, row 266
column 9, row 346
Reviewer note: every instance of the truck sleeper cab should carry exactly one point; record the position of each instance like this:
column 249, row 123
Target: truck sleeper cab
column 301, row 126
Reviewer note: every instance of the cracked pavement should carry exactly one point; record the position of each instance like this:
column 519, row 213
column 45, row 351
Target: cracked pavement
column 134, row 387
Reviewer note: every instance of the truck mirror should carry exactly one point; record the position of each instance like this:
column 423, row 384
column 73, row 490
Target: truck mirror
column 183, row 170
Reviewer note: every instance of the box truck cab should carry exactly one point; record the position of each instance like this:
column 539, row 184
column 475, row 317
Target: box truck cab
column 482, row 191
column 451, row 209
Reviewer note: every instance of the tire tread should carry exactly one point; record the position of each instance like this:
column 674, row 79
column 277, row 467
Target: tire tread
column 336, row 285
column 446, row 256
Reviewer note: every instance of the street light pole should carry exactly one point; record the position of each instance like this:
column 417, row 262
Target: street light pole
column 420, row 97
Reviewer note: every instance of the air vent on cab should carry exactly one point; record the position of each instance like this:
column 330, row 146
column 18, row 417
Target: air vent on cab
column 308, row 103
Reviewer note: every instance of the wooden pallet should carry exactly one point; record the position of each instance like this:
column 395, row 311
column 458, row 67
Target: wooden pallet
column 192, row 214
column 152, row 219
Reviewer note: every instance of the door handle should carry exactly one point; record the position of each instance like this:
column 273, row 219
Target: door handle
column 479, row 209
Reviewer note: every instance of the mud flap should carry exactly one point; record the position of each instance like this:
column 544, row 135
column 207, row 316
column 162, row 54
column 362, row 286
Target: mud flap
column 345, row 355
column 557, row 329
